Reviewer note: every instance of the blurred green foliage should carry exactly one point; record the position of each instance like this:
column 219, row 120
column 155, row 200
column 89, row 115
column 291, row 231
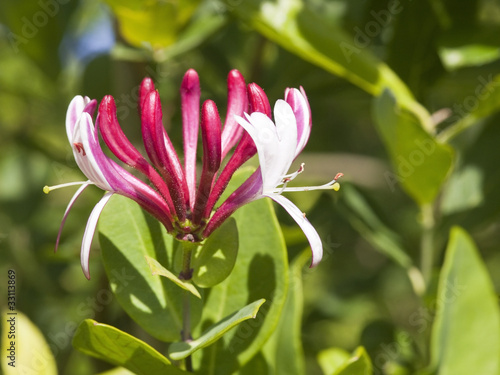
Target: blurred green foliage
column 382, row 276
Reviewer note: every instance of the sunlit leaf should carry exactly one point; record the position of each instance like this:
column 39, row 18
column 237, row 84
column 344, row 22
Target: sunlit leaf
column 158, row 269
column 182, row 349
column 332, row 359
column 127, row 235
column 24, row 349
column 214, row 261
column 150, row 22
column 337, row 362
column 466, row 331
column 315, row 39
column 121, row 349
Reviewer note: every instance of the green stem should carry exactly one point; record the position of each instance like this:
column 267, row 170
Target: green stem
column 427, row 242
column 186, row 274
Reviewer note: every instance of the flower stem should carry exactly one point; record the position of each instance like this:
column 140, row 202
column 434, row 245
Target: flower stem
column 186, row 328
column 186, row 274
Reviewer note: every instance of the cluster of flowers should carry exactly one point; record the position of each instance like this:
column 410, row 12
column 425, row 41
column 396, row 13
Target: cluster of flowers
column 171, row 194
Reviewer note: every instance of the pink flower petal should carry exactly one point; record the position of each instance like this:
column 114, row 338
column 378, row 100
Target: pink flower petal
column 237, row 104
column 162, row 154
column 211, row 136
column 190, row 98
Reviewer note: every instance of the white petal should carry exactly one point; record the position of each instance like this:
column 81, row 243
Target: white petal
column 265, row 136
column 75, row 109
column 276, row 144
column 89, row 232
column 68, row 208
column 286, row 127
column 89, row 164
column 305, row 225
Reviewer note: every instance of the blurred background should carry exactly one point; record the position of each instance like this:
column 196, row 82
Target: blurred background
column 368, row 290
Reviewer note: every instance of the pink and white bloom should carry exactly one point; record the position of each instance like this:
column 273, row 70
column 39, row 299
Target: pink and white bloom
column 168, row 189
column 170, row 193
column 278, row 144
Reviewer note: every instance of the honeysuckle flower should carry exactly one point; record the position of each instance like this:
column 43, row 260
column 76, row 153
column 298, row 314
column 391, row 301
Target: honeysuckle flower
column 278, row 144
column 168, row 189
column 170, row 194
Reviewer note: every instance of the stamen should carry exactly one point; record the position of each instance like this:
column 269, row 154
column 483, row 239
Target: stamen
column 48, row 189
column 332, row 185
column 289, row 177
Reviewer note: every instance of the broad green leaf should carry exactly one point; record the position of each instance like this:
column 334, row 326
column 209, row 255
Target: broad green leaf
column 182, row 349
column 483, row 102
column 24, row 349
column 466, row 331
column 121, row 349
column 283, row 350
column 421, row 164
column 127, row 235
column 332, row 359
column 358, row 364
column 158, row 269
column 293, row 26
column 261, row 271
column 151, row 22
column 213, row 262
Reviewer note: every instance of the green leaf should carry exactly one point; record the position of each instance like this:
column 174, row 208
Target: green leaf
column 332, row 359
column 466, row 331
column 358, row 364
column 213, row 261
column 24, row 349
column 421, row 164
column 158, row 269
column 283, row 350
column 317, row 40
column 261, row 271
column 127, row 235
column 121, row 349
column 464, row 190
column 182, row 349
column 464, row 47
column 150, row 22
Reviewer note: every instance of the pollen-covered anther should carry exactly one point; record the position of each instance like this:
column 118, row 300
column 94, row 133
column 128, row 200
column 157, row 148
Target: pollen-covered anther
column 79, row 148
